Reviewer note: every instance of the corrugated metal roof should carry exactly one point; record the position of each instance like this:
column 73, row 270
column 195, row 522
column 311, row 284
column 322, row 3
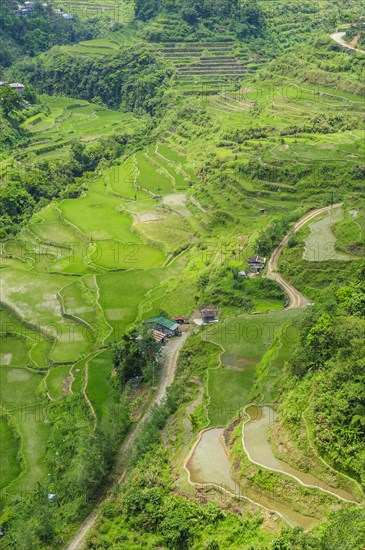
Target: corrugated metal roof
column 164, row 322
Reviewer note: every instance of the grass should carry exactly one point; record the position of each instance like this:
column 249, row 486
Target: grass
column 122, row 293
column 320, row 245
column 68, row 120
column 98, row 388
column 122, row 178
column 14, row 351
column 55, row 379
column 152, row 178
column 228, row 391
column 247, row 337
column 171, row 233
column 9, row 445
column 18, row 390
column 88, row 214
column 33, row 297
column 245, row 340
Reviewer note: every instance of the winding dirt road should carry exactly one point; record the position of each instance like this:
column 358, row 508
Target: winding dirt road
column 170, row 355
column 296, row 299
column 338, row 37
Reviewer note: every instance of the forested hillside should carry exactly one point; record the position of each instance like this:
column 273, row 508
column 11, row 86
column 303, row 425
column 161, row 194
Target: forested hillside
column 182, row 307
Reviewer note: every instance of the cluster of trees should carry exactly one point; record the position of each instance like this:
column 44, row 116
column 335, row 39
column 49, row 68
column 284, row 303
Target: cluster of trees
column 135, row 355
column 223, row 286
column 134, row 78
column 37, row 32
column 328, row 369
column 271, row 235
column 244, row 19
column 78, row 459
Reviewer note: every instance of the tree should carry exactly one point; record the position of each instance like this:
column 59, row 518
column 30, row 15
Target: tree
column 10, row 100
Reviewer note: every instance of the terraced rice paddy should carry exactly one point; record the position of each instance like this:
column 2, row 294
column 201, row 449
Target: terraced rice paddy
column 76, row 283
column 320, row 245
column 203, row 67
column 244, row 340
column 67, row 121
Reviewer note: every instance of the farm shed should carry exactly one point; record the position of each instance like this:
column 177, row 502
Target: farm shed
column 164, row 325
column 256, row 263
column 209, row 315
column 17, row 87
column 181, row 320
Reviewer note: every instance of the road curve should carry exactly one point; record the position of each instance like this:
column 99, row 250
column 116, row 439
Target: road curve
column 170, row 354
column 338, row 37
column 296, row 299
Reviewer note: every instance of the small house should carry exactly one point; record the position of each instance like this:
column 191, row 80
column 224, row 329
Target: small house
column 164, row 325
column 256, row 264
column 242, row 274
column 17, row 87
column 209, row 315
column 181, row 320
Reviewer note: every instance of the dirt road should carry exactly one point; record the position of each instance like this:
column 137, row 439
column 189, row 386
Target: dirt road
column 296, row 299
column 170, row 355
column 338, row 37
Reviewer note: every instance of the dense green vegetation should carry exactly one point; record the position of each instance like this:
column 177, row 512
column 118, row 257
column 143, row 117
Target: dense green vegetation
column 36, row 32
column 325, row 380
column 143, row 166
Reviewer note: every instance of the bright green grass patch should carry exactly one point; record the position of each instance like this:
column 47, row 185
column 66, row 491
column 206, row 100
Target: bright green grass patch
column 98, row 388
column 78, row 372
column 228, row 391
column 34, row 297
column 90, row 212
column 55, row 380
column 171, row 232
column 152, row 178
column 174, row 171
column 13, row 351
column 78, row 300
column 122, row 178
column 18, row 389
column 41, row 352
column 248, row 337
column 119, row 255
column 350, row 234
column 122, row 292
column 181, row 162
column 9, row 445
column 56, row 232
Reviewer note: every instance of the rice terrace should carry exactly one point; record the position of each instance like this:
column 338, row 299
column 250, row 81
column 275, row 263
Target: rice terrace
column 182, row 297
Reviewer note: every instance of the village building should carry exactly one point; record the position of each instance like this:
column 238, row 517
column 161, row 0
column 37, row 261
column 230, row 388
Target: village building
column 256, row 264
column 209, row 315
column 164, row 326
column 181, row 320
column 158, row 336
column 17, row 87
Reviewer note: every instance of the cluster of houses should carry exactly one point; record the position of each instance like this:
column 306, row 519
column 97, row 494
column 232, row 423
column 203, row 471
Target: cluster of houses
column 26, row 9
column 161, row 328
column 16, row 86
